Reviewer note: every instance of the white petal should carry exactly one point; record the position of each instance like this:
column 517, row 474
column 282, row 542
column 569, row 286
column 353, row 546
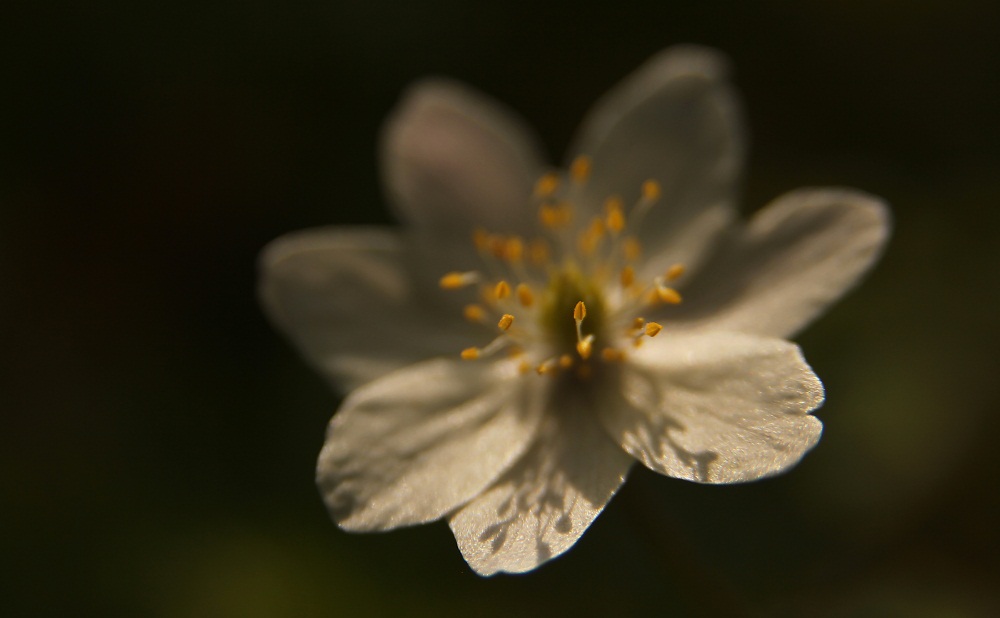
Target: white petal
column 675, row 120
column 796, row 256
column 453, row 159
column 716, row 408
column 345, row 299
column 414, row 445
column 539, row 509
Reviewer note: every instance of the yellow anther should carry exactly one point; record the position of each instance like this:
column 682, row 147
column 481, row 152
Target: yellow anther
column 524, row 295
column 653, row 329
column 638, row 323
column 502, row 290
column 498, row 247
column 474, row 313
column 470, row 353
column 591, row 237
column 523, row 367
column 613, row 203
column 547, row 185
column 481, row 239
column 546, row 367
column 455, row 280
column 555, row 216
column 452, row 281
column 627, row 276
column 548, row 216
column 585, row 347
column 580, row 168
column 587, row 243
column 565, row 361
column 668, row 295
column 514, row 249
column 538, row 251
column 612, row 355
column 579, row 311
column 615, row 219
column 505, row 321
column 632, row 249
column 651, row 190
column 675, row 272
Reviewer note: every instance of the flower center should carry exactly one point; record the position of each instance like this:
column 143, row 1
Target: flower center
column 575, row 288
column 564, row 292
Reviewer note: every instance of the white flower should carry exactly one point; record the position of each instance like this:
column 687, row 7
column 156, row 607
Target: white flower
column 529, row 335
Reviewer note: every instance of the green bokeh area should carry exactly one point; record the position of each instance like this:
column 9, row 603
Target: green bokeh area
column 159, row 437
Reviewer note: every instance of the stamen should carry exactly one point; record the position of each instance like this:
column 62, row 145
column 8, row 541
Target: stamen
column 505, row 321
column 554, row 216
column 615, row 218
column 474, row 313
column 546, row 367
column 579, row 170
column 524, row 295
column 590, row 238
column 456, row 280
column 651, row 190
column 612, row 355
column 637, row 324
column 538, row 252
column 498, row 247
column 502, row 290
column 514, row 249
column 492, row 348
column 613, row 203
column 584, row 345
column 632, row 249
column 650, row 194
column 627, row 276
column 481, row 239
column 675, row 272
column 565, row 361
column 668, row 295
column 653, row 329
column 547, row 185
column 549, row 216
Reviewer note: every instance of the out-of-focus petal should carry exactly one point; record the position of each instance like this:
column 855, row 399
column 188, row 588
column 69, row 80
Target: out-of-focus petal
column 418, row 443
column 675, row 120
column 453, row 159
column 794, row 258
column 716, row 408
column 538, row 509
column 344, row 297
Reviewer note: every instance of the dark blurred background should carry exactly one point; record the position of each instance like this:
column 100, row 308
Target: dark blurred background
column 159, row 437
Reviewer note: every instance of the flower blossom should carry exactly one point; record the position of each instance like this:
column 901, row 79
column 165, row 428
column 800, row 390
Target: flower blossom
column 529, row 334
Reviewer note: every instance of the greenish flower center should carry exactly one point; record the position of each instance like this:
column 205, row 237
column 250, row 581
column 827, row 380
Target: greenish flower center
column 565, row 289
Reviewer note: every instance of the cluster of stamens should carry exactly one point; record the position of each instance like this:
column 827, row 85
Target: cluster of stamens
column 555, row 273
